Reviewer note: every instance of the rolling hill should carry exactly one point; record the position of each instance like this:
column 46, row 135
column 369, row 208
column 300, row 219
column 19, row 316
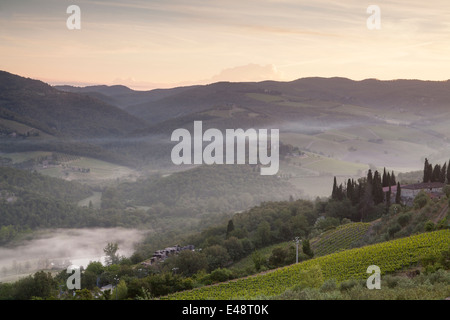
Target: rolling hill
column 61, row 113
column 343, row 127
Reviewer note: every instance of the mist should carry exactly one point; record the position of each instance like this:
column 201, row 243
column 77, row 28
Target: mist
column 57, row 248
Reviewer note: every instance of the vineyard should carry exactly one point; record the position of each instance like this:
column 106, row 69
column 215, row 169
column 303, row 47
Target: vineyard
column 341, row 238
column 349, row 264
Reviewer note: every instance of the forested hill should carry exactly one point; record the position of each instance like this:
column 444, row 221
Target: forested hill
column 37, row 104
column 15, row 181
column 210, row 188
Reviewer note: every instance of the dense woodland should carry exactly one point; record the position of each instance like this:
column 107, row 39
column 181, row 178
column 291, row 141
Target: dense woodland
column 205, row 189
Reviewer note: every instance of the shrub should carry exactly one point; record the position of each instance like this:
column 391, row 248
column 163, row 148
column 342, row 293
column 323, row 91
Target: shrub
column 429, row 226
column 329, row 285
column 394, row 229
column 421, row 200
column 348, row 284
column 221, row 275
column 403, row 219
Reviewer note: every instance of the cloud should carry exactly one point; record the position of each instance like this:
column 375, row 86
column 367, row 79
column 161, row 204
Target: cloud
column 248, row 73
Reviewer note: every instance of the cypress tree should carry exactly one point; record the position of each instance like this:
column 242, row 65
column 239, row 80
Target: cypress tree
column 436, row 175
column 398, row 198
column 350, row 190
column 306, row 248
column 388, row 198
column 369, row 177
column 334, row 195
column 385, row 180
column 448, row 172
column 443, row 174
column 230, row 228
column 377, row 189
column 426, row 176
column 393, row 182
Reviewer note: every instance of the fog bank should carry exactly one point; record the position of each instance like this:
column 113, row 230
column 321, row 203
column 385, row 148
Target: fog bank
column 58, row 246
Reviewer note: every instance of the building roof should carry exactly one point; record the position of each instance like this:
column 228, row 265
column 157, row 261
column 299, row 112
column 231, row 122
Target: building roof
column 424, row 185
column 393, row 188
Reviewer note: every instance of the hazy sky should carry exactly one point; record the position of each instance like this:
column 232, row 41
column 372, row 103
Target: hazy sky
column 160, row 43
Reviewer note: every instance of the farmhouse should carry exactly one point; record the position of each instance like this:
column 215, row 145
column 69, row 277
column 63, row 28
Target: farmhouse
column 163, row 254
column 410, row 191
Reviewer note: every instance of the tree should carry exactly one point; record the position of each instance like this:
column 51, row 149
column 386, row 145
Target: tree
column 398, row 194
column 120, row 291
column 427, row 171
column 421, row 200
column 230, row 228
column 111, row 253
column 216, row 256
column 393, row 180
column 350, row 190
column 258, row 260
column 190, row 262
column 388, row 198
column 436, row 173
column 334, row 192
column 378, row 195
column 385, row 180
column 263, row 235
column 306, row 248
column 40, row 285
column 234, row 248
column 443, row 174
column 448, row 172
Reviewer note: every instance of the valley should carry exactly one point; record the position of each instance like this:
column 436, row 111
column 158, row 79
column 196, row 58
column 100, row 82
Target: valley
column 97, row 161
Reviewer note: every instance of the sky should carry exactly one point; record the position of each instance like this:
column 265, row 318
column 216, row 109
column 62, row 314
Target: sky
column 167, row 43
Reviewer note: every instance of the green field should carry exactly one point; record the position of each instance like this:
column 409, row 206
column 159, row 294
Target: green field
column 341, row 238
column 98, row 170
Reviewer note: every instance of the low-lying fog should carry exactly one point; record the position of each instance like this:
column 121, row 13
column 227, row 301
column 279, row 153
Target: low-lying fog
column 60, row 247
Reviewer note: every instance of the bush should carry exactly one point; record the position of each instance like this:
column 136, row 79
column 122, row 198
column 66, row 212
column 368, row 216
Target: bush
column 394, row 229
column 329, row 285
column 403, row 219
column 221, row 275
column 348, row 284
column 429, row 226
column 311, row 278
column 421, row 200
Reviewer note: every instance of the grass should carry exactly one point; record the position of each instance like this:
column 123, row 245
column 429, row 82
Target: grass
column 99, row 170
column 18, row 157
column 336, row 167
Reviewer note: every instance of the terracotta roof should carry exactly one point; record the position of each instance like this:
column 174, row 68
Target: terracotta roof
column 426, row 185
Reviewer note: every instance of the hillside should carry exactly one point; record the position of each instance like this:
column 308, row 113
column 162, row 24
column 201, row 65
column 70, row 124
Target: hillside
column 201, row 190
column 351, row 264
column 37, row 117
column 343, row 126
column 62, row 113
column 343, row 237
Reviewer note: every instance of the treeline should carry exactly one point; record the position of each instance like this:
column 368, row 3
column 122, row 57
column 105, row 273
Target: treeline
column 18, row 181
column 436, row 173
column 30, row 200
column 364, row 197
column 219, row 246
